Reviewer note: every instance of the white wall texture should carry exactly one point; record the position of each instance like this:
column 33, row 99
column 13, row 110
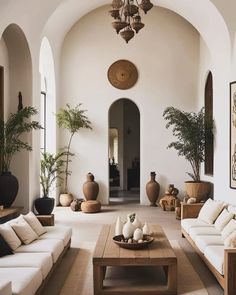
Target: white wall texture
column 166, row 55
column 214, row 19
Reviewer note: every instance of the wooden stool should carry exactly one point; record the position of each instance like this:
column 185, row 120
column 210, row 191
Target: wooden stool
column 91, row 206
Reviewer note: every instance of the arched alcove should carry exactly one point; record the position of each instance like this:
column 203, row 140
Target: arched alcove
column 124, row 151
column 48, row 97
column 15, row 59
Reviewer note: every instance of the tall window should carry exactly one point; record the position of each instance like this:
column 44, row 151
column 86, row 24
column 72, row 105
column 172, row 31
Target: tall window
column 209, row 149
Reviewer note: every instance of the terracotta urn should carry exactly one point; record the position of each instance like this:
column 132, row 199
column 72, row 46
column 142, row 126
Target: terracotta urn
column 90, row 188
column 152, row 190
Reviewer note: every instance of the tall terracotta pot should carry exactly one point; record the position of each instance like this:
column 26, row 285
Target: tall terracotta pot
column 90, row 188
column 152, row 190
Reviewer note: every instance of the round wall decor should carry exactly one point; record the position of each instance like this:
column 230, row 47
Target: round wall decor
column 122, row 74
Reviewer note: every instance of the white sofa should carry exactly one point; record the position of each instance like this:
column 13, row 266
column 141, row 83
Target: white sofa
column 27, row 270
column 209, row 243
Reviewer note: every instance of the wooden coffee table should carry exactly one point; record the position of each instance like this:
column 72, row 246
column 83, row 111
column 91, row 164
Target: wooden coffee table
column 158, row 253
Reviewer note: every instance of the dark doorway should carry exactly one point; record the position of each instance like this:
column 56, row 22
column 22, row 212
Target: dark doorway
column 124, row 151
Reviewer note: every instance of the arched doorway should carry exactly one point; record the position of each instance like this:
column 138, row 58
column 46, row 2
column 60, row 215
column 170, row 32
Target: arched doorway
column 124, row 152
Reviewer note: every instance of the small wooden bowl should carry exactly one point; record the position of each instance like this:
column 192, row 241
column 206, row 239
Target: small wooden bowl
column 133, row 246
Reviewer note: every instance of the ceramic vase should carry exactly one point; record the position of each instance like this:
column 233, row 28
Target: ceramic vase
column 137, row 223
column 119, row 226
column 128, row 230
column 152, row 190
column 90, row 188
column 8, row 189
column 66, row 199
column 146, row 229
column 138, row 234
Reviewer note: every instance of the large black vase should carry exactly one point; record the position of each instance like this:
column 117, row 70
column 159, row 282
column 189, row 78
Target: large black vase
column 44, row 206
column 8, row 189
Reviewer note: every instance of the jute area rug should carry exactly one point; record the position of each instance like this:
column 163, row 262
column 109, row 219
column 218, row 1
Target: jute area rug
column 79, row 279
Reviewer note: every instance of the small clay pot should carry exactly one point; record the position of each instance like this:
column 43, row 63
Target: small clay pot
column 76, row 204
column 66, row 199
column 90, row 188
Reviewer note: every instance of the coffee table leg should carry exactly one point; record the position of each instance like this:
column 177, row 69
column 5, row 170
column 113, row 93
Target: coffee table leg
column 172, row 278
column 98, row 276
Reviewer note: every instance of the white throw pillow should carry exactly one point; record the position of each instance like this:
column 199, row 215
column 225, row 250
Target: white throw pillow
column 228, row 229
column 223, row 219
column 33, row 221
column 210, row 211
column 10, row 236
column 230, row 241
column 24, row 232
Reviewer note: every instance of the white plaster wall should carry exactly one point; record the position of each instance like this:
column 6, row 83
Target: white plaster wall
column 5, row 64
column 166, row 55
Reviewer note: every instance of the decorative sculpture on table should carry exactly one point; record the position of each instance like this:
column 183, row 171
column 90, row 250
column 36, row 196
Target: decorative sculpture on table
column 167, row 202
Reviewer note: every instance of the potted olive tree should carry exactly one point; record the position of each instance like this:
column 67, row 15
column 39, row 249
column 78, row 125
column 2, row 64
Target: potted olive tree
column 192, row 130
column 11, row 142
column 71, row 119
column 52, row 168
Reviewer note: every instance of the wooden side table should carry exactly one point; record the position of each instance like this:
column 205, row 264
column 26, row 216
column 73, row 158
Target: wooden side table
column 9, row 213
column 46, row 220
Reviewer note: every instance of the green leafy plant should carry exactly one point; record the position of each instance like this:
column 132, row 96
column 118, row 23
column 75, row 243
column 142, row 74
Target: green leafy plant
column 51, row 169
column 71, row 119
column 11, row 132
column 192, row 130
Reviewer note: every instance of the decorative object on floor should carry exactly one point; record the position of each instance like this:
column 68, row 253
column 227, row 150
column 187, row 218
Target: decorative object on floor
column 152, row 190
column 91, row 206
column 122, row 74
column 191, row 201
column 71, row 119
column 132, row 243
column 192, row 130
column 168, row 201
column 51, row 169
column 232, row 117
column 11, row 142
column 90, row 188
column 119, row 226
column 127, row 19
column 76, row 204
column 177, row 209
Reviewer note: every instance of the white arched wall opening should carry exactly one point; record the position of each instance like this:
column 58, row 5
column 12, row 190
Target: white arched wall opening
column 124, row 115
column 46, row 68
column 217, row 46
column 15, row 57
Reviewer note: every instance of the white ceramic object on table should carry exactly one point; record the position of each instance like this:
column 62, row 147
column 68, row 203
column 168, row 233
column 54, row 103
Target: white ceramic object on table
column 128, row 230
column 138, row 234
column 137, row 223
column 119, row 226
column 146, row 229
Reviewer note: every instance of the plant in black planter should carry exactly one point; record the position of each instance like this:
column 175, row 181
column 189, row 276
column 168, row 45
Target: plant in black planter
column 51, row 171
column 192, row 130
column 11, row 142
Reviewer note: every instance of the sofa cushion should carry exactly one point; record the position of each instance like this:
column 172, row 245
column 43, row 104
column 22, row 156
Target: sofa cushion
column 232, row 209
column 230, row 241
column 10, row 236
column 215, row 255
column 203, row 231
column 43, row 261
column 203, row 241
column 210, row 211
column 23, row 230
column 5, row 287
column 5, row 249
column 193, row 222
column 53, row 246
column 25, row 281
column 223, row 219
column 58, row 232
column 34, row 223
column 229, row 228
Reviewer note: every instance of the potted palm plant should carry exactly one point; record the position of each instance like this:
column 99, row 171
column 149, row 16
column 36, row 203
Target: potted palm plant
column 11, row 142
column 192, row 130
column 51, row 171
column 71, row 119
